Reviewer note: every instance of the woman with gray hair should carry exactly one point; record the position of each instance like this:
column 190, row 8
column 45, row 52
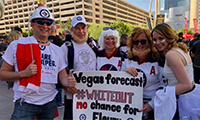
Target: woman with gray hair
column 110, row 57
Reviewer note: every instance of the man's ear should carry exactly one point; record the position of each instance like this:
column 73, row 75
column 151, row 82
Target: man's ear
column 71, row 29
column 32, row 24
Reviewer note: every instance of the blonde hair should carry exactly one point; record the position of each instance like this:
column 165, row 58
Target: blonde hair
column 171, row 38
column 134, row 35
column 14, row 35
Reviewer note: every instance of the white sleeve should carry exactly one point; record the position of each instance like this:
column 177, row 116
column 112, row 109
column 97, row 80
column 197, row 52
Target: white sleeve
column 62, row 63
column 124, row 64
column 8, row 56
column 65, row 53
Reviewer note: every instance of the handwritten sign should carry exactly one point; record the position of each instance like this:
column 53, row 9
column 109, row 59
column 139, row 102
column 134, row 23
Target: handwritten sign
column 108, row 95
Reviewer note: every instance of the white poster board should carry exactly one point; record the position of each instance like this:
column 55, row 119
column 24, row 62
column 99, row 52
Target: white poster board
column 108, row 95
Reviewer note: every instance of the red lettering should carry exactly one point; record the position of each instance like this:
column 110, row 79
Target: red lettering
column 153, row 70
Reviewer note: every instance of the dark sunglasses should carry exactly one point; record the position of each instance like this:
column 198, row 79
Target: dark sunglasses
column 40, row 22
column 143, row 42
column 107, row 28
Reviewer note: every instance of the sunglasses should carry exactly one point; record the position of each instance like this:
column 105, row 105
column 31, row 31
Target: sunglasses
column 142, row 42
column 162, row 40
column 107, row 28
column 48, row 23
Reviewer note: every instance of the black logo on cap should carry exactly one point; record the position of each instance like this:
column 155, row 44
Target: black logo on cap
column 79, row 18
column 44, row 13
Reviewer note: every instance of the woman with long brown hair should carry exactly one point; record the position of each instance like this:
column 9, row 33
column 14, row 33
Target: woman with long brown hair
column 178, row 70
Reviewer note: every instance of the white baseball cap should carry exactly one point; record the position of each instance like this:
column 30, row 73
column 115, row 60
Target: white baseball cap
column 42, row 12
column 78, row 19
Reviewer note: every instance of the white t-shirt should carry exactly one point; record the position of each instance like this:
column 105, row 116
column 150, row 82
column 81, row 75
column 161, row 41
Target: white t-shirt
column 84, row 58
column 52, row 63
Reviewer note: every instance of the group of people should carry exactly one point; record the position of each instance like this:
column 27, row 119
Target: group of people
column 39, row 65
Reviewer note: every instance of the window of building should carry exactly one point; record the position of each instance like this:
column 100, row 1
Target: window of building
column 88, row 7
column 25, row 5
column 67, row 15
column 97, row 10
column 109, row 3
column 79, row 13
column 19, row 6
column 56, row 10
column 57, row 16
column 97, row 16
column 88, row 1
column 25, row 10
column 67, row 9
column 65, row 3
column 14, row 7
column 98, row 21
column 56, row 4
column 97, row 4
column 80, row 6
column 88, row 13
column 20, row 11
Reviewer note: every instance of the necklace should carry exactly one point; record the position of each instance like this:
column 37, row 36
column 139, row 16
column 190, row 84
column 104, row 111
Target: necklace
column 43, row 42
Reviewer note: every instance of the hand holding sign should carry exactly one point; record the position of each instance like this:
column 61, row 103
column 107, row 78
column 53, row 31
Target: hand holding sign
column 146, row 108
column 71, row 80
column 132, row 71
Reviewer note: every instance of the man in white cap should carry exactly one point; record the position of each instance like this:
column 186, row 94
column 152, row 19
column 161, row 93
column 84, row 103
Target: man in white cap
column 79, row 55
column 37, row 64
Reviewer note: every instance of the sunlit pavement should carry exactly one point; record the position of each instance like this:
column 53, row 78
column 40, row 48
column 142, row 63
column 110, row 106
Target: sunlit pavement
column 7, row 105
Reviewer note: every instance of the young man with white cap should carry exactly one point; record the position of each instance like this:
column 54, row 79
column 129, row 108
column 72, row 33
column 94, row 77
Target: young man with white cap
column 37, row 63
column 79, row 55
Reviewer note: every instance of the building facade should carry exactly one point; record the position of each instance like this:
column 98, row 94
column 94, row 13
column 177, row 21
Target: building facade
column 177, row 10
column 95, row 11
column 175, row 3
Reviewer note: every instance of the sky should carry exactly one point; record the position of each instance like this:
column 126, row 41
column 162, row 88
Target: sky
column 144, row 4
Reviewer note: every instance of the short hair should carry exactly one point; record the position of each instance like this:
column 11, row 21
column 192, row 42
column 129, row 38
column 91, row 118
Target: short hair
column 180, row 34
column 60, row 33
column 14, row 35
column 124, row 36
column 5, row 37
column 105, row 33
column 66, row 30
column 53, row 28
column 196, row 34
column 16, row 28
